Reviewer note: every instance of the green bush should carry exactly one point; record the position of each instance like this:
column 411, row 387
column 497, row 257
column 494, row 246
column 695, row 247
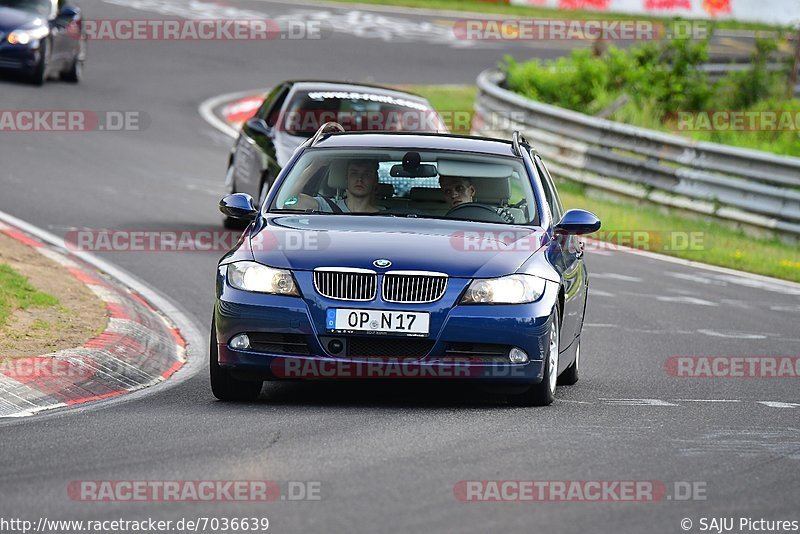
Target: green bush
column 648, row 84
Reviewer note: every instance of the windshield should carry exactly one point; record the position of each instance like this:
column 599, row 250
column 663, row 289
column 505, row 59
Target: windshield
column 43, row 8
column 424, row 183
column 358, row 111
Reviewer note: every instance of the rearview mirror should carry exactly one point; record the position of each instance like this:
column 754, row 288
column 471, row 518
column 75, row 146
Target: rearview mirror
column 578, row 222
column 69, row 12
column 258, row 126
column 239, row 206
column 421, row 171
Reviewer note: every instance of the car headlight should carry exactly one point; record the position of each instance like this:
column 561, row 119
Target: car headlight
column 24, row 37
column 252, row 276
column 512, row 289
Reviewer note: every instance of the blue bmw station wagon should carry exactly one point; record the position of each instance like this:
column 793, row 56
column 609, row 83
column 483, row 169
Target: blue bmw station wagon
column 395, row 255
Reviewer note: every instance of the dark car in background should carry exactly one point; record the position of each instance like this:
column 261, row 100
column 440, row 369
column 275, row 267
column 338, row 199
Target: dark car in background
column 42, row 39
column 294, row 110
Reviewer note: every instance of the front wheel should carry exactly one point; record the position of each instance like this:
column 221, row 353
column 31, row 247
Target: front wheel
column 570, row 374
column 543, row 393
column 223, row 385
column 75, row 72
column 39, row 74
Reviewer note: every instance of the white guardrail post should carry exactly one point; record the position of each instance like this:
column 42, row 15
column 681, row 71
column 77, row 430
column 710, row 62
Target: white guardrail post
column 751, row 187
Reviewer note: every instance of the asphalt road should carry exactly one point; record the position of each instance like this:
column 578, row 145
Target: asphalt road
column 386, row 457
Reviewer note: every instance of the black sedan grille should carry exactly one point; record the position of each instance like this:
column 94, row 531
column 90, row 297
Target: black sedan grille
column 346, row 284
column 382, row 347
column 413, row 287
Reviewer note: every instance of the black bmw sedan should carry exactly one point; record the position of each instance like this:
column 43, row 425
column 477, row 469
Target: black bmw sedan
column 42, row 39
column 294, row 110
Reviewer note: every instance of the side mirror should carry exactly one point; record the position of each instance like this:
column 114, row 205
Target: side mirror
column 69, row 12
column 239, row 206
column 578, row 222
column 258, row 126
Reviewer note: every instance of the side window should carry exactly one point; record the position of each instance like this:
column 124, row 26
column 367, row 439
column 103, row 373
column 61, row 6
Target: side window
column 556, row 208
column 270, row 109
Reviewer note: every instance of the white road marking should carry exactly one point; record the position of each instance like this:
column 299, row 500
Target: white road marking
column 776, row 404
column 637, row 402
column 695, row 278
column 706, row 400
column 598, row 293
column 730, row 334
column 600, row 325
column 616, row 276
column 686, row 300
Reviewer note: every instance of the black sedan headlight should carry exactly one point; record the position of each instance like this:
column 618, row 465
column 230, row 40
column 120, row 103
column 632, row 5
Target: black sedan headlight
column 252, row 276
column 23, row 37
column 512, row 289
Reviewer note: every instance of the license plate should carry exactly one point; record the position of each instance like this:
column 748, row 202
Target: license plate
column 343, row 320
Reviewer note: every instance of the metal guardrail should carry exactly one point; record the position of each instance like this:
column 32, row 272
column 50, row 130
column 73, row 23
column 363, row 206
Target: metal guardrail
column 746, row 186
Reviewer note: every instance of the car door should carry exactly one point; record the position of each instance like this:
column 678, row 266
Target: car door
column 571, row 260
column 255, row 148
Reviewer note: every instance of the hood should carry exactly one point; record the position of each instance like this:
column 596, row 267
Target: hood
column 12, row 19
column 459, row 249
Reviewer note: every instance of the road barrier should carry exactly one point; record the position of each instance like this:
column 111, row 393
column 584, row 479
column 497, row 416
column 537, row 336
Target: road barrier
column 750, row 187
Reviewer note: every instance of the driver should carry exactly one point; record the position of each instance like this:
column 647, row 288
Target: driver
column 458, row 190
column 362, row 184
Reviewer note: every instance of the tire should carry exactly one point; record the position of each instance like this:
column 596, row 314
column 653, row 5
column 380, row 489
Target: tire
column 570, row 375
column 75, row 72
column 223, row 385
column 543, row 393
column 39, row 74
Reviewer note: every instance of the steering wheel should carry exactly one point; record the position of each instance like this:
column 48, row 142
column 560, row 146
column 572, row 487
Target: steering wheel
column 473, row 211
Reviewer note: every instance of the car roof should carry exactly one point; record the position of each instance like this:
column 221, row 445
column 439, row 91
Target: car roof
column 319, row 85
column 416, row 140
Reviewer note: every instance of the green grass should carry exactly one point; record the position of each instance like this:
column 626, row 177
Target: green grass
column 17, row 293
column 490, row 6
column 715, row 243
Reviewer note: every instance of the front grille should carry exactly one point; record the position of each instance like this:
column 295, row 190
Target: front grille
column 6, row 63
column 410, row 287
column 381, row 347
column 346, row 284
column 277, row 343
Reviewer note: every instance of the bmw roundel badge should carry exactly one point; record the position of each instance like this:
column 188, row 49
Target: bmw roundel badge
column 382, row 264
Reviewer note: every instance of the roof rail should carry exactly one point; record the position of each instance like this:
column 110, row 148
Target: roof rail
column 328, row 127
column 517, row 140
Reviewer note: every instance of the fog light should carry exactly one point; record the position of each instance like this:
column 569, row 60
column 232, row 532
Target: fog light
column 335, row 346
column 516, row 355
column 240, row 342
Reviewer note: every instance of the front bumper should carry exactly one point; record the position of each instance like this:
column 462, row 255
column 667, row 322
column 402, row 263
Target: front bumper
column 525, row 326
column 19, row 57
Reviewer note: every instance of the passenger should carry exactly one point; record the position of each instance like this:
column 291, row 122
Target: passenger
column 362, row 185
